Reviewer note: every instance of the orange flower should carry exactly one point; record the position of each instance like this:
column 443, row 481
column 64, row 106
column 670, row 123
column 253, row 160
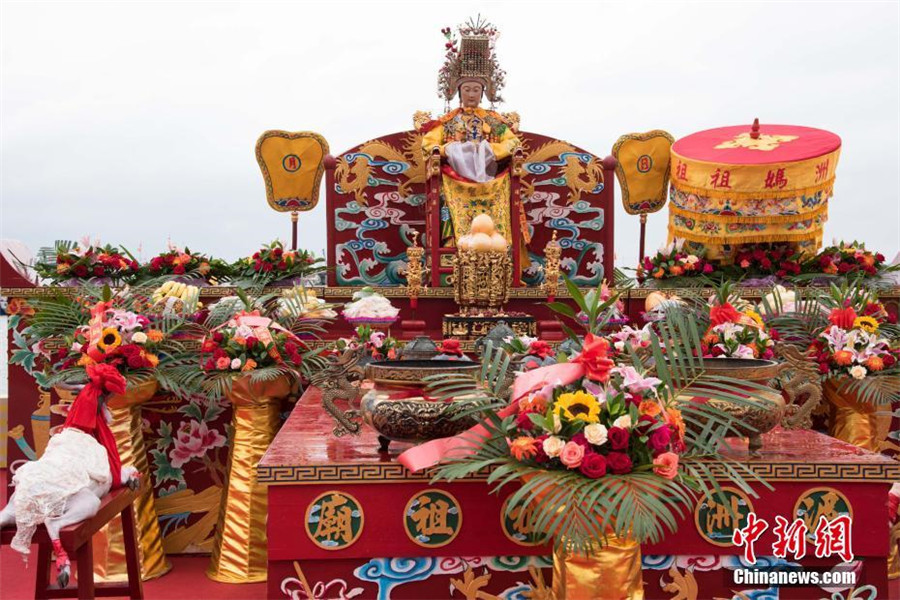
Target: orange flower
column 239, row 340
column 867, row 260
column 659, row 273
column 830, row 269
column 523, row 448
column 650, row 407
column 19, row 306
column 152, row 359
column 155, row 335
column 843, row 357
column 249, row 365
column 711, row 338
column 673, row 417
column 676, row 270
column 754, row 348
column 535, row 403
column 85, row 360
column 874, row 363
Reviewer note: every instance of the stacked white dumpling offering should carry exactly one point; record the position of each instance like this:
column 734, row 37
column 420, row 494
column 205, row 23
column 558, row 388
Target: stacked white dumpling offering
column 368, row 306
column 483, row 236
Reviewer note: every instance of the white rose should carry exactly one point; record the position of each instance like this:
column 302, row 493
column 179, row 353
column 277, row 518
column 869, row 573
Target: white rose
column 557, row 423
column 619, row 346
column 236, row 363
column 595, row 434
column 858, row 372
column 624, row 422
column 139, row 338
column 553, row 446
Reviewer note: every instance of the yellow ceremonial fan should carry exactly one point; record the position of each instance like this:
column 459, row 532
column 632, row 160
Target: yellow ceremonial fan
column 642, row 168
column 292, row 166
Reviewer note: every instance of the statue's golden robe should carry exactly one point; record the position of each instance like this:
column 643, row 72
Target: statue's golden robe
column 465, row 199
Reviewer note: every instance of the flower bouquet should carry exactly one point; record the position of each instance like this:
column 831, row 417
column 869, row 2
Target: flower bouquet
column 73, row 263
column 187, row 265
column 272, row 263
column 844, row 259
column 376, row 345
column 608, row 456
column 528, row 353
column 734, row 333
column 761, row 260
column 856, row 343
column 673, row 261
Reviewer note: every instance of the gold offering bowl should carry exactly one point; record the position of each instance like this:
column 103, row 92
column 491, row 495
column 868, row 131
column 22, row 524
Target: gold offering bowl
column 398, row 409
column 760, row 413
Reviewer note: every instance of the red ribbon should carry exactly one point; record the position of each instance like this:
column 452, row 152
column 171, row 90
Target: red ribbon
column 85, row 413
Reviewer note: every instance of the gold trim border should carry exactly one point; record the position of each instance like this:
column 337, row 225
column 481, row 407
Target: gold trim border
column 340, row 292
column 350, row 473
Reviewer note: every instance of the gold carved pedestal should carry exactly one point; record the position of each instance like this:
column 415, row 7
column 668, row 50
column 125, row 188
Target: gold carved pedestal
column 239, row 553
column 481, row 280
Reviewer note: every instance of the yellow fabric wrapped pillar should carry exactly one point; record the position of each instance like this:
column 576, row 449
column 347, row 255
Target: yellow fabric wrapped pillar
column 612, row 572
column 239, row 553
column 128, row 431
column 860, row 423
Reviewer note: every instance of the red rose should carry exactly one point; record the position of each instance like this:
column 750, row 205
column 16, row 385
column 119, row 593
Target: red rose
column 290, row 347
column 593, row 465
column 80, row 271
column 251, row 341
column 257, row 266
column 618, row 438
column 523, row 422
column 135, row 361
column 98, row 270
column 879, row 257
column 707, row 268
column 277, row 252
column 256, row 256
column 218, row 337
column 594, row 359
column 179, row 270
column 843, row 317
column 579, row 439
column 823, row 368
column 156, row 264
column 209, row 365
column 618, row 463
column 723, row 313
column 129, row 350
column 208, row 346
column 765, row 263
column 659, row 439
column 134, row 265
column 845, row 267
column 888, row 360
column 282, row 265
column 267, row 267
column 219, row 353
column 540, row 456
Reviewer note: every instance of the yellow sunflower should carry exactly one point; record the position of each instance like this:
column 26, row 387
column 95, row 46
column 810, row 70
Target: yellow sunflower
column 578, row 405
column 756, row 318
column 868, row 324
column 109, row 339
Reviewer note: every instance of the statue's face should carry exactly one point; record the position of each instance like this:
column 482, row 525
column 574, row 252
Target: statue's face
column 470, row 94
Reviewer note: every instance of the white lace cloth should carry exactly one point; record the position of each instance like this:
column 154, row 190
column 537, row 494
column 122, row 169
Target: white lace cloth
column 472, row 160
column 73, row 461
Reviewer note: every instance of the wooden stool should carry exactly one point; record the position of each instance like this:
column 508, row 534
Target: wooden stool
column 76, row 539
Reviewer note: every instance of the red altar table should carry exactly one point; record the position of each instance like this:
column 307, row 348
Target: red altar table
column 347, row 521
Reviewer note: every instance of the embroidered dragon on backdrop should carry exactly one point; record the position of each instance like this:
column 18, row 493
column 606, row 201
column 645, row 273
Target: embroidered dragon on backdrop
column 378, row 200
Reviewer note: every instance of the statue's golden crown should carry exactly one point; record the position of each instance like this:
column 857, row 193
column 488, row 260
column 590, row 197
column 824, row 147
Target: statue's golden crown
column 471, row 55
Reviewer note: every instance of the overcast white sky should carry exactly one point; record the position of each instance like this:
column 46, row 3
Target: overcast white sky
column 136, row 122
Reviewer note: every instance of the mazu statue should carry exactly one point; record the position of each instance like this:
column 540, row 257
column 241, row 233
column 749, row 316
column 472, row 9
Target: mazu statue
column 433, row 180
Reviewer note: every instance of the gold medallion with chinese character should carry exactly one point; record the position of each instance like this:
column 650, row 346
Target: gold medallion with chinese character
column 815, row 503
column 334, row 520
column 515, row 525
column 432, row 518
column 717, row 518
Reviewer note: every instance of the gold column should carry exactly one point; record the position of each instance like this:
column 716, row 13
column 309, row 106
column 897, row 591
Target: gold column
column 240, row 552
column 860, row 423
column 127, row 428
column 615, row 569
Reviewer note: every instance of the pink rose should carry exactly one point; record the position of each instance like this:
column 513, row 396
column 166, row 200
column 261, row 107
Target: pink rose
column 666, row 465
column 572, row 455
column 223, row 362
